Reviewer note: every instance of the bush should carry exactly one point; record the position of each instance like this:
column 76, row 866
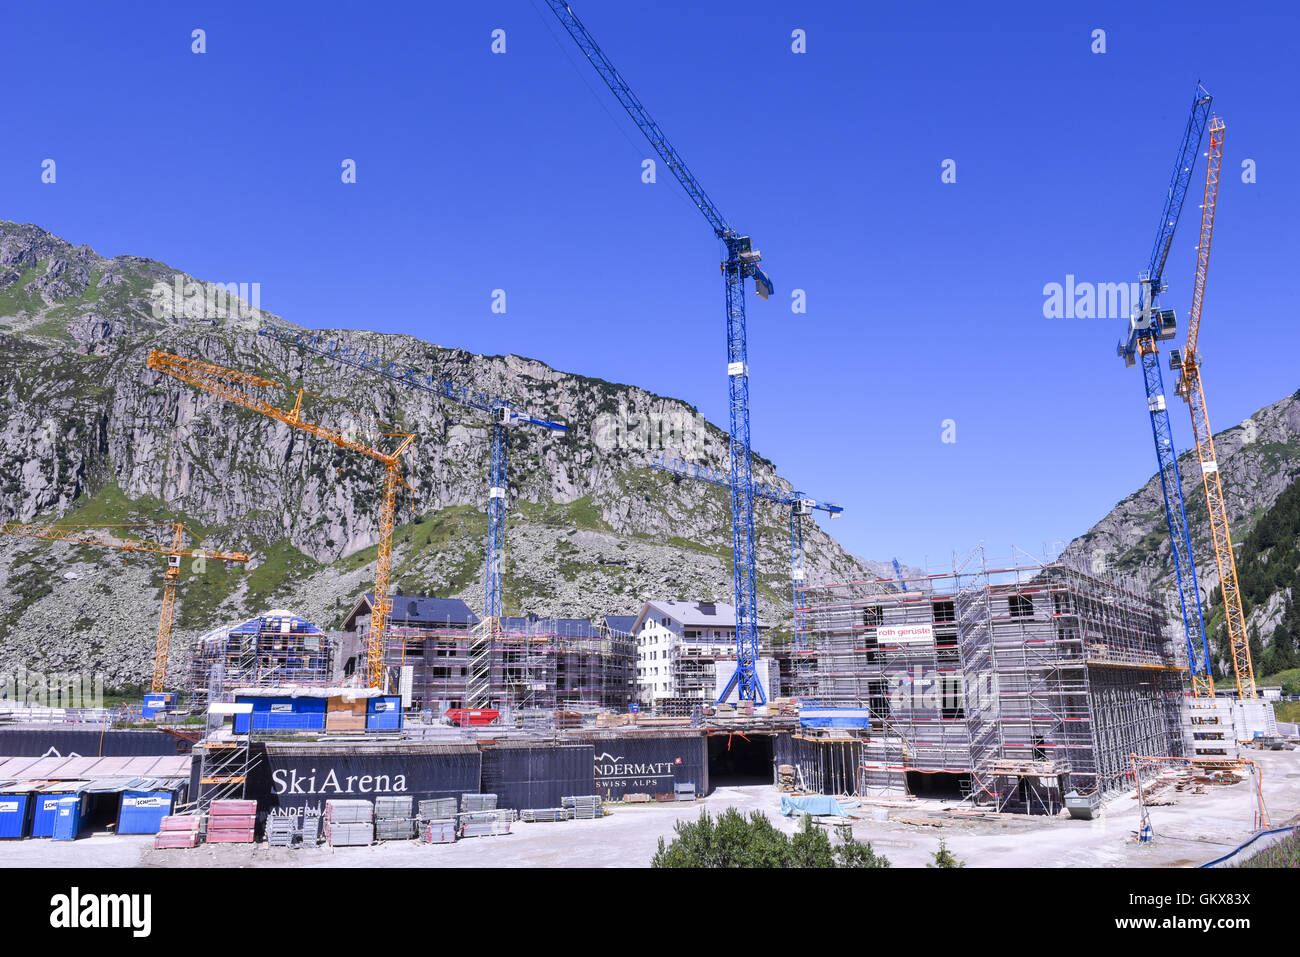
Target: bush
column 736, row 841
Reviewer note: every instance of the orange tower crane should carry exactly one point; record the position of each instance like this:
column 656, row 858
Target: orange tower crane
column 1188, row 365
column 236, row 386
column 103, row 536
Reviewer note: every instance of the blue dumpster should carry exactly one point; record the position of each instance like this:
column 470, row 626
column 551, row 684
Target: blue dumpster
column 157, row 701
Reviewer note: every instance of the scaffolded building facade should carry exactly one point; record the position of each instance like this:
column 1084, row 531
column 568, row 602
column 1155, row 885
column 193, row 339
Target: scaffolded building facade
column 1012, row 686
column 272, row 649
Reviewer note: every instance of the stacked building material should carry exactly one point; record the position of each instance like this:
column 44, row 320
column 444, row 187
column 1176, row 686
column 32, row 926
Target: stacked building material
column 438, row 832
column 484, row 824
column 438, row 809
column 177, row 830
column 478, row 802
column 585, row 807
column 785, row 777
column 309, row 834
column 534, row 815
column 393, row 818
column 231, row 822
column 684, row 791
column 348, row 823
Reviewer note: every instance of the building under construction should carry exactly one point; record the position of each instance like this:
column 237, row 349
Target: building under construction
column 456, row 660
column 277, row 648
column 1013, row 685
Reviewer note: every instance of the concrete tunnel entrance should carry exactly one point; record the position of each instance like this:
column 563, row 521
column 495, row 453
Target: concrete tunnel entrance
column 735, row 759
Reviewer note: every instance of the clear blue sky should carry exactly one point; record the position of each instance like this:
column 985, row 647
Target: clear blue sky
column 519, row 171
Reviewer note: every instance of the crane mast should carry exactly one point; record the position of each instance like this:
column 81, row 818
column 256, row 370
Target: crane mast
column 233, row 385
column 1189, row 386
column 742, row 262
column 1148, row 325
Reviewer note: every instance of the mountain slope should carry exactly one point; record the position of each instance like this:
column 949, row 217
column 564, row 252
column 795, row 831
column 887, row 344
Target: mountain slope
column 91, row 435
column 1259, row 464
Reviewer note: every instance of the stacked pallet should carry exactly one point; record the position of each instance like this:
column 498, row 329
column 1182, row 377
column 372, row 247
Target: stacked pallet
column 177, row 830
column 231, row 822
column 585, row 807
column 485, row 823
column 437, row 809
column 540, row 814
column 309, row 835
column 478, row 802
column 394, row 820
column 348, row 823
column 438, row 832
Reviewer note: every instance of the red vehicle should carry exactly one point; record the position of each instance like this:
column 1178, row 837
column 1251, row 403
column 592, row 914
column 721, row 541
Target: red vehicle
column 473, row 717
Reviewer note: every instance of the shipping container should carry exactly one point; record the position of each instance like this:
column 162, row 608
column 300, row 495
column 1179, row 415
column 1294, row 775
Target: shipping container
column 36, row 742
column 281, row 714
column 141, row 812
column 157, row 701
column 46, row 812
column 287, row 778
column 384, row 714
column 14, row 814
column 648, row 765
column 528, row 775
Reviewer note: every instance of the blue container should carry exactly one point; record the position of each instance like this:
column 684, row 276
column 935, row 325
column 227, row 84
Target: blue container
column 13, row 814
column 384, row 714
column 157, row 701
column 282, row 714
column 46, row 812
column 141, row 812
column 67, row 818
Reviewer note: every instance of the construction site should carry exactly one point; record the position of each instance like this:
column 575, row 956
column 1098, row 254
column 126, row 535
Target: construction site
column 1037, row 711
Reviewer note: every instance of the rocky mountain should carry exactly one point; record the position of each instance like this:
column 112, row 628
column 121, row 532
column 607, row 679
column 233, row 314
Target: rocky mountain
column 89, row 434
column 1259, row 465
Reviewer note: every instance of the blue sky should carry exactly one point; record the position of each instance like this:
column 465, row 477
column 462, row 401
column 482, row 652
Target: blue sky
column 519, row 171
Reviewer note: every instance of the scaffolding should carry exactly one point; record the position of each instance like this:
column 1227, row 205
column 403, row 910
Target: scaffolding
column 1016, row 683
column 272, row 649
column 518, row 664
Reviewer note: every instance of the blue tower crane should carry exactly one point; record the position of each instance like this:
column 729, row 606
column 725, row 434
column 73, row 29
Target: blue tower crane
column 1148, row 325
column 742, row 263
column 800, row 506
column 503, row 416
column 898, row 573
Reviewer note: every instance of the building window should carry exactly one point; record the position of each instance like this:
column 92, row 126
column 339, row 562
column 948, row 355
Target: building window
column 871, row 616
column 1021, row 606
column 945, row 611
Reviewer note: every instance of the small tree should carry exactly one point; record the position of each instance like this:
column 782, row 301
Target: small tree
column 851, row 853
column 944, row 857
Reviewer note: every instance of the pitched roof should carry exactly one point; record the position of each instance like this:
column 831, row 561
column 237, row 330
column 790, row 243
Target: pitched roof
column 696, row 613
column 621, row 624
column 417, row 610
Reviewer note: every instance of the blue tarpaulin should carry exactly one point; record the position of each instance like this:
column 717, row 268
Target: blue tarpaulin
column 815, row 805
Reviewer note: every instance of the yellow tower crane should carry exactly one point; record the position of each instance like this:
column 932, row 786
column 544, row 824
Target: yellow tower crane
column 106, row 536
column 1190, row 388
column 236, row 386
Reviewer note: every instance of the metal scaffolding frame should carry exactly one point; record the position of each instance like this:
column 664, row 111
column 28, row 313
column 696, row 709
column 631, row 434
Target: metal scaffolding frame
column 1022, row 681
